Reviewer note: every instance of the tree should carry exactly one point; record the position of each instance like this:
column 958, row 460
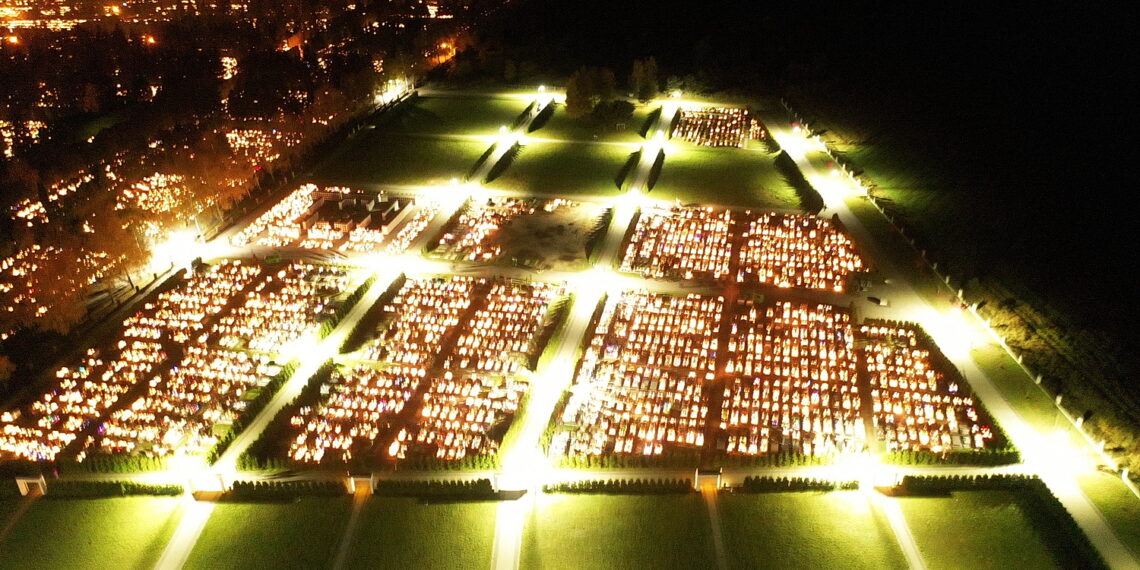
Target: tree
column 7, row 369
column 648, row 88
column 578, row 101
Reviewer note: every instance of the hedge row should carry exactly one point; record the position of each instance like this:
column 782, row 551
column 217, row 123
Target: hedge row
column 1049, row 518
column 435, row 488
column 1004, row 456
column 624, row 487
column 99, row 463
column 330, row 325
column 110, row 489
column 286, row 489
column 678, row 458
column 782, row 484
column 418, row 462
column 261, row 454
column 251, row 411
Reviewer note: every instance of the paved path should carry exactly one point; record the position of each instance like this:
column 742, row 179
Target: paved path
column 359, row 499
column 709, row 493
column 894, row 515
column 190, row 526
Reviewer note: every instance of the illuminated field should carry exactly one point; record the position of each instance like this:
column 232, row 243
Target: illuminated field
column 87, row 533
column 401, row 533
column 562, row 127
column 723, row 176
column 567, row 531
column 376, row 156
column 460, row 115
column 839, row 529
column 570, row 169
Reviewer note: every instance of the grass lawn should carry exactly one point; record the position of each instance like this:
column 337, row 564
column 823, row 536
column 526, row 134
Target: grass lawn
column 299, row 534
column 975, row 529
column 405, row 533
column 1118, row 505
column 565, row 169
column 452, row 115
column 618, row 531
column 562, row 127
column 725, row 176
column 373, row 156
column 91, row 533
column 8, row 505
column 1032, row 404
column 806, row 530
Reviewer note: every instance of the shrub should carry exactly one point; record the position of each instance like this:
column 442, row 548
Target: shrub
column 69, row 489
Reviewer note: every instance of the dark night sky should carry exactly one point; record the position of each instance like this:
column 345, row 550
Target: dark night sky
column 1030, row 106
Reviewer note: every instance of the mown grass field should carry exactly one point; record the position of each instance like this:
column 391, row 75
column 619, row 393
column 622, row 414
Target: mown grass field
column 118, row 533
column 562, row 127
column 806, row 530
column 725, row 176
column 618, row 531
column 975, row 529
column 565, row 168
column 453, row 115
column 376, row 157
column 304, row 533
column 403, row 533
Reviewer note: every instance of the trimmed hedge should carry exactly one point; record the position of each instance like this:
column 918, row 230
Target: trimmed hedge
column 624, row 487
column 99, row 463
column 688, row 458
column 68, row 489
column 286, row 489
column 480, row 488
column 259, row 456
column 330, row 325
column 1004, row 456
column 782, row 459
column 251, row 411
column 1049, row 518
column 783, row 484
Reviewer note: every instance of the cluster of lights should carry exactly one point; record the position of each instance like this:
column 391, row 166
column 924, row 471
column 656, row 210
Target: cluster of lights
column 474, row 236
column 498, row 337
column 640, row 386
column 9, row 132
column 229, row 71
column 422, row 314
column 260, row 146
column 362, row 400
column 280, row 225
column 793, row 386
column 36, row 274
column 182, row 410
column 457, row 413
column 917, row 406
column 714, row 126
column 82, row 393
column 797, row 251
column 156, row 194
column 281, row 309
column 680, row 243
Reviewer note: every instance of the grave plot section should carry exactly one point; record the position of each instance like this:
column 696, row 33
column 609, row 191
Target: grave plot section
column 363, row 398
column 340, row 219
column 529, row 232
column 804, row 252
column 792, row 386
column 921, row 403
column 468, row 409
column 640, row 389
column 717, row 126
column 193, row 404
column 440, row 383
column 83, row 393
column 681, row 243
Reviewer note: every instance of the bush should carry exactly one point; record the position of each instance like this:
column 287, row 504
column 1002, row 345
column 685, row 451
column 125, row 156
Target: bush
column 784, row 484
column 99, row 463
column 624, row 487
column 252, row 410
column 67, row 489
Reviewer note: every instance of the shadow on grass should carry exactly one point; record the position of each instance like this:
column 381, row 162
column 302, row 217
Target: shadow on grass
column 649, row 120
column 810, row 200
column 626, row 168
column 493, row 497
column 504, row 163
column 541, row 119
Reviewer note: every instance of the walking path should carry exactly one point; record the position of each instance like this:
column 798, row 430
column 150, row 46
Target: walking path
column 359, row 499
column 190, row 526
column 709, row 493
column 894, row 515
